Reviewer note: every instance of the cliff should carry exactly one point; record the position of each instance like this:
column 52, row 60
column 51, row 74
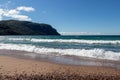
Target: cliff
column 15, row 27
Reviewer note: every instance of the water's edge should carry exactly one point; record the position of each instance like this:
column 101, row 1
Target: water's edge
column 66, row 60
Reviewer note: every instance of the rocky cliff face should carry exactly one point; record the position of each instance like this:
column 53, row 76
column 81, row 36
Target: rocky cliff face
column 14, row 27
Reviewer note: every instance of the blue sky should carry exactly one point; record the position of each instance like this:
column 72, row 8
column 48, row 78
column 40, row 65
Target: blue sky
column 83, row 16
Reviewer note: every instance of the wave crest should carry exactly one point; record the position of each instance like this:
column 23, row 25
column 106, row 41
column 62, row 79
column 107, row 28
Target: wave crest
column 93, row 53
column 78, row 41
column 68, row 41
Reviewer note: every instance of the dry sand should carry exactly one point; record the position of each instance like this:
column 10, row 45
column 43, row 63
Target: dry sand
column 11, row 66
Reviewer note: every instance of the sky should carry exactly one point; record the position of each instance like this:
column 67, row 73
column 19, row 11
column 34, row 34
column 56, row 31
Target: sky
column 67, row 16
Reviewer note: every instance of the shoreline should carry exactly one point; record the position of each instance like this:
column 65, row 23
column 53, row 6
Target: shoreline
column 10, row 62
column 62, row 60
column 13, row 69
column 28, row 68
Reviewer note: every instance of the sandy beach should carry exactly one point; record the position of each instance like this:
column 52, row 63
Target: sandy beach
column 11, row 66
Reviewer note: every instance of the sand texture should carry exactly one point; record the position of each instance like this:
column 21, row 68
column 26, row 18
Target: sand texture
column 13, row 69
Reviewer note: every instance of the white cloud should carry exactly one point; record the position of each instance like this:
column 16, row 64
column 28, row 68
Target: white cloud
column 15, row 13
column 0, row 18
column 24, row 8
column 22, row 17
column 1, row 13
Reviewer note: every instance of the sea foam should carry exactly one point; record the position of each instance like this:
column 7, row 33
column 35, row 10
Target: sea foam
column 78, row 41
column 92, row 53
column 68, row 40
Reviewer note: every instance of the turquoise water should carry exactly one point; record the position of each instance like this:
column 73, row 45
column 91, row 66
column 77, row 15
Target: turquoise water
column 99, row 47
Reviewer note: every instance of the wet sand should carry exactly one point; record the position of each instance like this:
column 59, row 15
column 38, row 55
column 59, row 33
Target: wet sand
column 12, row 68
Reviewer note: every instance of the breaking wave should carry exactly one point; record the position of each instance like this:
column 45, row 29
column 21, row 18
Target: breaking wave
column 69, row 41
column 77, row 41
column 93, row 53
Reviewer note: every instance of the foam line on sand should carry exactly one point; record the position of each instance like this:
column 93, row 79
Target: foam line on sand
column 13, row 67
